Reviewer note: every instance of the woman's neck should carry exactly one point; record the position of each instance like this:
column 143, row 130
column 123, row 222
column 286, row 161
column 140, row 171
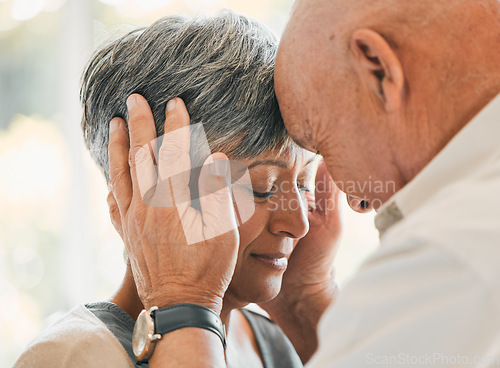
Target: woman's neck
column 230, row 303
column 126, row 297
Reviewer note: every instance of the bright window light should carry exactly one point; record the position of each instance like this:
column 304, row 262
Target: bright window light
column 26, row 9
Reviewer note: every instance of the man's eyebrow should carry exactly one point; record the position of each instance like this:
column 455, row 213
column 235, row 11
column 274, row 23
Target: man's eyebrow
column 282, row 164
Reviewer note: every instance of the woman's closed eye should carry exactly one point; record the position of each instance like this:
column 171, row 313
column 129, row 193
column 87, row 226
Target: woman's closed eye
column 264, row 194
column 303, row 188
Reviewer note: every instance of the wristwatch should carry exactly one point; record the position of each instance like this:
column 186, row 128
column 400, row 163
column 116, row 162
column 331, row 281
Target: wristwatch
column 152, row 324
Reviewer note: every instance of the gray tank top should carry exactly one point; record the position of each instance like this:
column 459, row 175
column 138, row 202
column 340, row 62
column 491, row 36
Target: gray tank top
column 274, row 347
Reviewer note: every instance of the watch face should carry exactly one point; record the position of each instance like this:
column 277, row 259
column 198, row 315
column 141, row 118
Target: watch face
column 140, row 338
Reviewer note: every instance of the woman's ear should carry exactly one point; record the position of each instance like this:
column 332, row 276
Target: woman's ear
column 378, row 66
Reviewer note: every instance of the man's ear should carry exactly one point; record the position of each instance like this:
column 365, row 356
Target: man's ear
column 379, row 66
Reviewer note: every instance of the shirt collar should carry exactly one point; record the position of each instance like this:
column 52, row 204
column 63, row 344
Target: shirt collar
column 474, row 144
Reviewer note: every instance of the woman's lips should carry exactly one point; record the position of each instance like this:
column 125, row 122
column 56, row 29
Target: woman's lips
column 275, row 261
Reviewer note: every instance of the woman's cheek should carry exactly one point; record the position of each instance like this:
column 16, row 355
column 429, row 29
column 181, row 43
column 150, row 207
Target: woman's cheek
column 256, row 225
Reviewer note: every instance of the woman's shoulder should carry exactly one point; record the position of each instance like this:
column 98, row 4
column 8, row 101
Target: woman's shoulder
column 275, row 348
column 78, row 339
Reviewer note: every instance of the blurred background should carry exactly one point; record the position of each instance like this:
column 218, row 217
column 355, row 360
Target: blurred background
column 57, row 245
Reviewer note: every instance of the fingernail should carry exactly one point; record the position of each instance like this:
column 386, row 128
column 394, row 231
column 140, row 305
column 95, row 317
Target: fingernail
column 131, row 101
column 219, row 168
column 113, row 125
column 171, row 104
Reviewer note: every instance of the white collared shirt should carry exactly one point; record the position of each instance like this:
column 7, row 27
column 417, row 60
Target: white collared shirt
column 430, row 296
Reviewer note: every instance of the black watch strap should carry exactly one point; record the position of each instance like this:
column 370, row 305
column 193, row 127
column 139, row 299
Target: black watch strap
column 178, row 316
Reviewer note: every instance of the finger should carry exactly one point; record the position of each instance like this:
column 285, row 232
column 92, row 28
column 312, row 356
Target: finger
column 326, row 192
column 114, row 213
column 215, row 197
column 142, row 141
column 174, row 163
column 120, row 181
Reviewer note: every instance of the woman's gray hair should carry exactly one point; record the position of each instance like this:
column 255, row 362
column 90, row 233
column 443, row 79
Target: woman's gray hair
column 222, row 67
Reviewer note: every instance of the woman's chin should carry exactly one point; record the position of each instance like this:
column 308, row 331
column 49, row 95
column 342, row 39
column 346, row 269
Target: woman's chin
column 257, row 290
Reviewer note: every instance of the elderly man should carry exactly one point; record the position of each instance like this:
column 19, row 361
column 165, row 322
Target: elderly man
column 389, row 91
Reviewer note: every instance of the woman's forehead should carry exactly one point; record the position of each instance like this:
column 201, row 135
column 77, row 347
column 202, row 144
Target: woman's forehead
column 289, row 157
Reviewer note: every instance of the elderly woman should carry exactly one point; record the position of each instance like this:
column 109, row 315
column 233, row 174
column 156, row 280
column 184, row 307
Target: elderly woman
column 222, row 68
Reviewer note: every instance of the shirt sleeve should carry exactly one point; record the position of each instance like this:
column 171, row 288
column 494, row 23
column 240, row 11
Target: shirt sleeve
column 411, row 304
column 75, row 343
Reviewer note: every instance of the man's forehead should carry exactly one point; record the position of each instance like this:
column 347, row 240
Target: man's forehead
column 302, row 136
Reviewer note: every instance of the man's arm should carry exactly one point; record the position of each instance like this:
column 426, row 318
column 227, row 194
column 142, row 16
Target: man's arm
column 157, row 245
column 189, row 347
column 299, row 318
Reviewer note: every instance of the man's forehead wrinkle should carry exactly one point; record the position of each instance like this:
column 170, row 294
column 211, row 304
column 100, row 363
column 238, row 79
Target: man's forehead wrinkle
column 308, row 137
column 300, row 134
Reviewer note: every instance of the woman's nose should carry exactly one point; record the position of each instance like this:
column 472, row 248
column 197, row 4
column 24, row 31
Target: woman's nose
column 289, row 217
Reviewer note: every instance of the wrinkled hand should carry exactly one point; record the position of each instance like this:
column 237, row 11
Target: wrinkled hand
column 310, row 272
column 308, row 285
column 177, row 253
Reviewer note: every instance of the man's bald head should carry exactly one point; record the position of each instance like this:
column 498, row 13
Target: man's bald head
column 402, row 23
column 393, row 17
column 379, row 87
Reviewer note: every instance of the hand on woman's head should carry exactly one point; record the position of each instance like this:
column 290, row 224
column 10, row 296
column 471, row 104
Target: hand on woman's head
column 170, row 248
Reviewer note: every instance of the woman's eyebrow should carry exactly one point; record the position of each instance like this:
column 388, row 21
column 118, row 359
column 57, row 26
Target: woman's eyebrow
column 282, row 164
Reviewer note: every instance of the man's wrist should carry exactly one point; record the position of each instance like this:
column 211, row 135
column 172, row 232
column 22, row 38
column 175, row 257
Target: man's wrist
column 153, row 324
column 193, row 347
column 174, row 297
column 298, row 315
column 179, row 316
